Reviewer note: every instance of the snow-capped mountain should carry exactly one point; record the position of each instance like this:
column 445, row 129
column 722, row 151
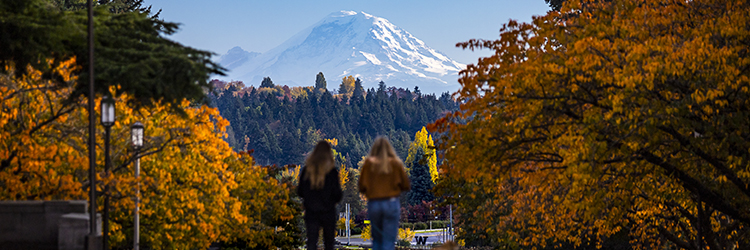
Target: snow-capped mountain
column 235, row 57
column 348, row 43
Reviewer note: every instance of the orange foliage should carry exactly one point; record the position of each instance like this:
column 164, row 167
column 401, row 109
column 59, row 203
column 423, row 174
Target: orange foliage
column 603, row 119
column 194, row 189
column 40, row 154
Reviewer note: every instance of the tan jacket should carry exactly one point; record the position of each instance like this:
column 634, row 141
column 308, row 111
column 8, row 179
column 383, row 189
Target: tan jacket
column 376, row 185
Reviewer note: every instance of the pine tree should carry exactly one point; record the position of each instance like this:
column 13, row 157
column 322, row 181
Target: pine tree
column 267, row 83
column 419, row 172
column 43, row 33
column 358, row 89
column 320, row 81
column 381, row 86
column 555, row 4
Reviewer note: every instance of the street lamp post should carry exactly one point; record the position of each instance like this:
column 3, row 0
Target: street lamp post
column 108, row 119
column 92, row 237
column 136, row 131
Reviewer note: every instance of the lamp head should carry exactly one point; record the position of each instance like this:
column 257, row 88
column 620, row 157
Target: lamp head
column 136, row 132
column 108, row 111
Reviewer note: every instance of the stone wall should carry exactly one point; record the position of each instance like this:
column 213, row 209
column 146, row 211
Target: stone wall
column 44, row 224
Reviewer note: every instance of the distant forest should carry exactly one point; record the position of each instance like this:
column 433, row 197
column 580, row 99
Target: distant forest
column 281, row 124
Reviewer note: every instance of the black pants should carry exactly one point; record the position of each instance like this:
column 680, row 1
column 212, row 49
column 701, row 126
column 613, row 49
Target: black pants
column 314, row 221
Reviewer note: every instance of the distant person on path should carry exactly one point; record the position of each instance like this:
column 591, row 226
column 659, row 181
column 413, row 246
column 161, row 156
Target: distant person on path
column 320, row 190
column 382, row 179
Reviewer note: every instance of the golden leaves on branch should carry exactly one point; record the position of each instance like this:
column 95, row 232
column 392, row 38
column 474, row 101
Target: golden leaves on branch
column 607, row 116
column 194, row 189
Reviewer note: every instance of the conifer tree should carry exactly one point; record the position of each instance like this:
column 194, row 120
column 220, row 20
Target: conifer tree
column 132, row 51
column 555, row 4
column 267, row 83
column 421, row 184
column 320, row 81
column 358, row 89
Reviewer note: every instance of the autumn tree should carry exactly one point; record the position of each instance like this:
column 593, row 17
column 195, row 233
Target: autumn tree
column 422, row 149
column 347, row 85
column 421, row 164
column 41, row 148
column 190, row 175
column 193, row 186
column 608, row 117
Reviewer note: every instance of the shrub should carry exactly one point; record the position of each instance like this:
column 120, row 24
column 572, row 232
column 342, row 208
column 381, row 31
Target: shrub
column 341, row 223
column 439, row 224
column 403, row 243
column 405, row 234
column 406, row 225
column 420, row 226
column 366, row 233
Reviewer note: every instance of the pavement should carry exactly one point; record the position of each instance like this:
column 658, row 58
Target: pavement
column 433, row 236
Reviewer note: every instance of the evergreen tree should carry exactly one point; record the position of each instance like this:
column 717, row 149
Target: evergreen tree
column 358, row 89
column 555, row 4
column 421, row 184
column 320, row 81
column 267, row 83
column 280, row 130
column 43, row 33
column 381, row 87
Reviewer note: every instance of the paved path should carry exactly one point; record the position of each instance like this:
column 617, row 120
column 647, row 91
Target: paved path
column 432, row 237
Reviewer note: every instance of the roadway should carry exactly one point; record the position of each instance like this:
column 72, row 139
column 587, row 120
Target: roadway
column 433, row 236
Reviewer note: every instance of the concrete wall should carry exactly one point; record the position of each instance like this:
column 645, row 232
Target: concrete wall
column 44, row 224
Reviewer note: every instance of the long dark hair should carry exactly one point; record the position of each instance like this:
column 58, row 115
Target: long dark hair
column 318, row 163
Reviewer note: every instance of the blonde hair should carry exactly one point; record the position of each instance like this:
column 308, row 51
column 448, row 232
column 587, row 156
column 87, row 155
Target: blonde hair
column 318, row 163
column 382, row 150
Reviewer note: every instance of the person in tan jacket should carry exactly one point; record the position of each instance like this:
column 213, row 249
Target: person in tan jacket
column 382, row 179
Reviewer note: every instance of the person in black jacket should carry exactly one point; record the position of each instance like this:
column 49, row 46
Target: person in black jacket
column 320, row 190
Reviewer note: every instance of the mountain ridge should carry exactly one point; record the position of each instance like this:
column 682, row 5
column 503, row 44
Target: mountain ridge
column 349, row 43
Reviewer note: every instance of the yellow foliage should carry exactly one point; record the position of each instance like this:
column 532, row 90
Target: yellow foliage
column 423, row 140
column 343, row 176
column 366, row 234
column 341, row 223
column 347, row 83
column 406, row 234
column 334, row 142
column 37, row 163
column 194, row 189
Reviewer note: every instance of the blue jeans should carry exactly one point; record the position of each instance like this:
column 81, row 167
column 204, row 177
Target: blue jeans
column 384, row 216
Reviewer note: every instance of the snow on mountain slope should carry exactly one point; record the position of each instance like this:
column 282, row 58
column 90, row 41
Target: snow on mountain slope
column 351, row 43
column 235, row 57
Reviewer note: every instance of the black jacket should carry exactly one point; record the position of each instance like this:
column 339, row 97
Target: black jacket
column 320, row 200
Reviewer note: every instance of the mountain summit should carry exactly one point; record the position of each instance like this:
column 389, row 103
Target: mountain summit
column 349, row 43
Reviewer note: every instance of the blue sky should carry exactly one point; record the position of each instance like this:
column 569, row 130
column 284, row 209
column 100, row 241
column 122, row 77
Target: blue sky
column 254, row 25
